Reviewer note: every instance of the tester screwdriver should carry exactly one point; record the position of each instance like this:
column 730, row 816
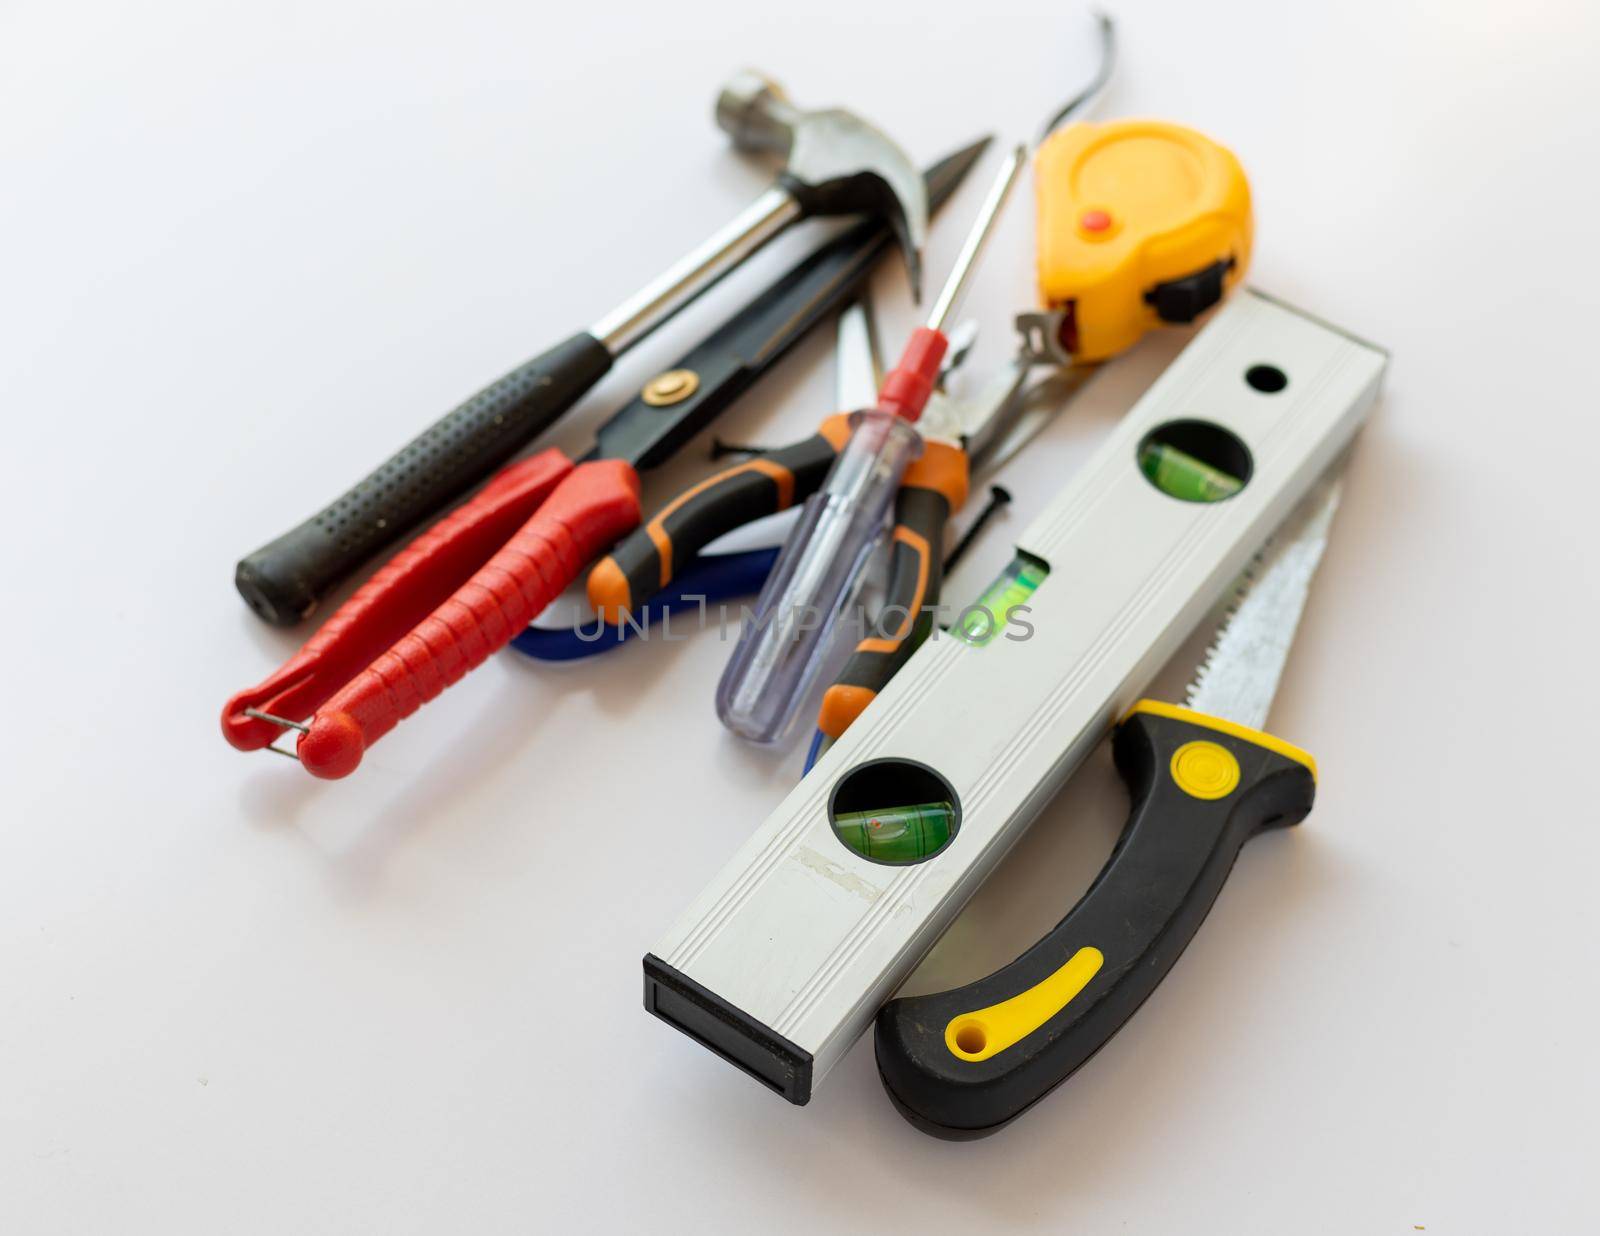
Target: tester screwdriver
column 780, row 652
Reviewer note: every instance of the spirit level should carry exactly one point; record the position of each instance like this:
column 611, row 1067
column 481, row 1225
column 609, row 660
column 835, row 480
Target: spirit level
column 783, row 961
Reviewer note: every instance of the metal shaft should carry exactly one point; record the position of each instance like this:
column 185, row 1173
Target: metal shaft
column 1090, row 94
column 956, row 285
column 658, row 300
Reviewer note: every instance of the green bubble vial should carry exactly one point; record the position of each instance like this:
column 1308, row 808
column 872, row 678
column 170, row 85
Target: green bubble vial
column 986, row 618
column 897, row 834
column 1180, row 475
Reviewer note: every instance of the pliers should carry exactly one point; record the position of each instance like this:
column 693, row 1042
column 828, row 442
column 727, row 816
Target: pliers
column 473, row 581
column 959, row 434
column 438, row 608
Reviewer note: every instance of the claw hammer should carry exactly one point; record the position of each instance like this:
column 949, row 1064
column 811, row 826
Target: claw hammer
column 836, row 164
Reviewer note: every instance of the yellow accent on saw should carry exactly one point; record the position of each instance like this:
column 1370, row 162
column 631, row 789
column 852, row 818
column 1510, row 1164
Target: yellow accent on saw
column 987, row 1032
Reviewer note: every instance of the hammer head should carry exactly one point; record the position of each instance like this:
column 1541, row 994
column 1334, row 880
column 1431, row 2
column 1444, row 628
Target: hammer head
column 835, row 162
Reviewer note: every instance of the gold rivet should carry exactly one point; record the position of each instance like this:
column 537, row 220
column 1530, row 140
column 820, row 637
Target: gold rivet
column 671, row 387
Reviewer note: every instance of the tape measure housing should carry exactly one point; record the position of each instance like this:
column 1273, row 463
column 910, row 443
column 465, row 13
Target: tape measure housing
column 1140, row 222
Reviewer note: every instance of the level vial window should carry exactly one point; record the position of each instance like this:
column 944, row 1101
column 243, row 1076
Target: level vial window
column 987, row 617
column 894, row 811
column 1195, row 461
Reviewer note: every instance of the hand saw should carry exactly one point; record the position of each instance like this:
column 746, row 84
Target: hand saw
column 1204, row 779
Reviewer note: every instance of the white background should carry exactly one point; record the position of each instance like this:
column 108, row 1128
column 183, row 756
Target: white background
column 247, row 250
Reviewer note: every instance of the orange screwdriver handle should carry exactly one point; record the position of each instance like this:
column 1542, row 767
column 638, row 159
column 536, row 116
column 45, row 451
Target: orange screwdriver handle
column 597, row 504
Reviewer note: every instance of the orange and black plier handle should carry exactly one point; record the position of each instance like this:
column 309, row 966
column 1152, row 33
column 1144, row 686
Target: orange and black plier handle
column 935, row 486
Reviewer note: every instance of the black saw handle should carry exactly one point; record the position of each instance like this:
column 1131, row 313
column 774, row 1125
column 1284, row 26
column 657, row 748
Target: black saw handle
column 960, row 1064
column 284, row 580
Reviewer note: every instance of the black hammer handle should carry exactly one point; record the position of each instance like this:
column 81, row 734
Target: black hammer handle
column 284, row 580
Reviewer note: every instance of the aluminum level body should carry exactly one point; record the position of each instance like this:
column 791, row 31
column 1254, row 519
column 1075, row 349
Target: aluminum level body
column 784, row 959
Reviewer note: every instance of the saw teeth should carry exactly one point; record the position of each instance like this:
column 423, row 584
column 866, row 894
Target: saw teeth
column 1295, row 547
column 1242, row 585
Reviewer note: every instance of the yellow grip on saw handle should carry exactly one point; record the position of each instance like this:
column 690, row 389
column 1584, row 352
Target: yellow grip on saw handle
column 1140, row 222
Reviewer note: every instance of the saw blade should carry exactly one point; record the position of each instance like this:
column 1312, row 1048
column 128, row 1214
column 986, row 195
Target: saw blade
column 1239, row 674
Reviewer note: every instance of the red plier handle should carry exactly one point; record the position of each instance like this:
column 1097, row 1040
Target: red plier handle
column 457, row 593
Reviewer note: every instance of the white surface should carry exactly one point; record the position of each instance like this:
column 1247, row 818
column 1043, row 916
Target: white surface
column 247, row 251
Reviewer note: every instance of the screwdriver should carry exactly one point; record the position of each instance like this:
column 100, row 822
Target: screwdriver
column 780, row 652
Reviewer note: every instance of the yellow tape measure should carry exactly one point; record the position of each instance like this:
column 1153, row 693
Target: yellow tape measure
column 1140, row 222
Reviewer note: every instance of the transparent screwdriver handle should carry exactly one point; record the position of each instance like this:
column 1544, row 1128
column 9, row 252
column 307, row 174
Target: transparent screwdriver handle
column 778, row 655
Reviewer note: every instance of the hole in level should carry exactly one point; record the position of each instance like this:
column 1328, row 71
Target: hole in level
column 1268, row 379
column 894, row 811
column 971, row 1039
column 1195, row 461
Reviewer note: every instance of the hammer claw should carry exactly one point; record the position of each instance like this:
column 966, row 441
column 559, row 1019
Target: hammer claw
column 837, row 163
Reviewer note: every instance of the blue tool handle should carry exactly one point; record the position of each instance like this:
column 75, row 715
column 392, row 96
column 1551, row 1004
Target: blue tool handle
column 713, row 578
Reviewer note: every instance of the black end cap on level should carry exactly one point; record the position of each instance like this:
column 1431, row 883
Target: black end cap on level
column 734, row 1035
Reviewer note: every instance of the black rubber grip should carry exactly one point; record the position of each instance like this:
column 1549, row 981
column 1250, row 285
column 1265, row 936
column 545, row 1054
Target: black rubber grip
column 284, row 580
column 737, row 496
column 916, row 578
column 1145, row 906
